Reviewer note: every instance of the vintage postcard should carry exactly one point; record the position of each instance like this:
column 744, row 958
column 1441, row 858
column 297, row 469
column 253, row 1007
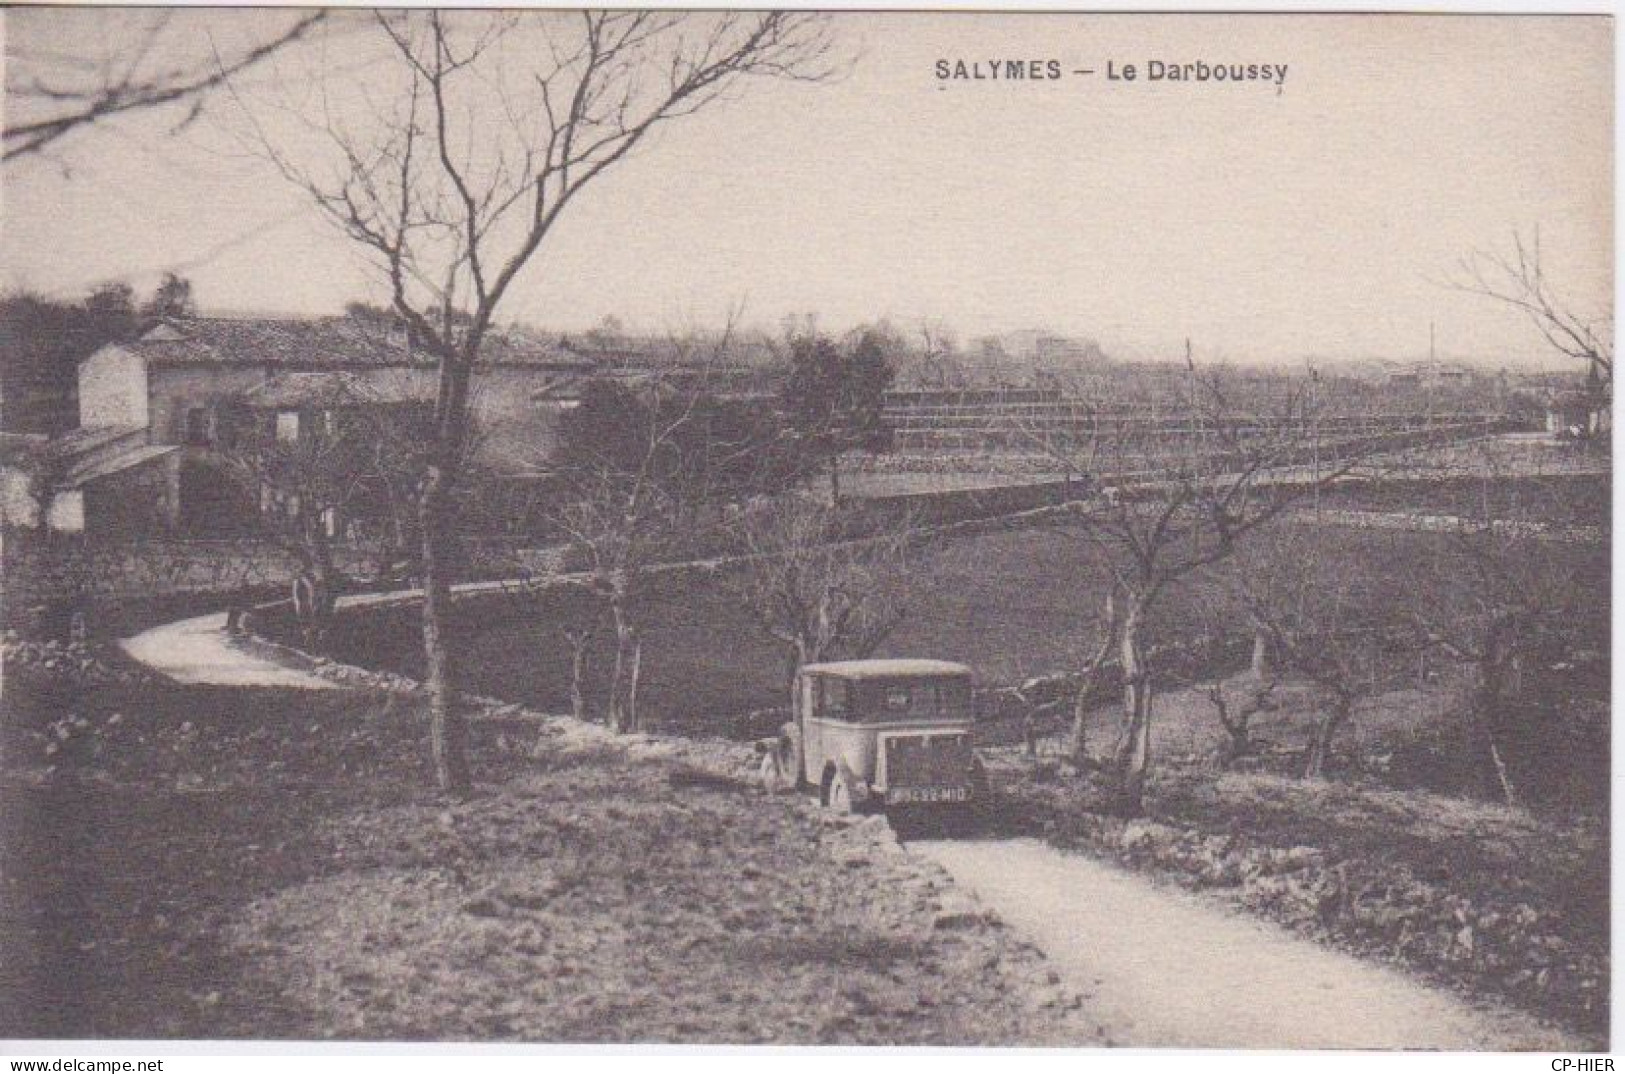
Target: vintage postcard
column 748, row 527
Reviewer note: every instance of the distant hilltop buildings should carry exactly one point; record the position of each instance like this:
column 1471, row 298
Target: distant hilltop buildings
column 1425, row 373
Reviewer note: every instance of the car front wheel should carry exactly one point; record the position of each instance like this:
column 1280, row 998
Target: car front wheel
column 981, row 789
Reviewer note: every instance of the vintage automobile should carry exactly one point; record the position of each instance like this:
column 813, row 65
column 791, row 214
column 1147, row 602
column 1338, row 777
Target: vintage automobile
column 879, row 733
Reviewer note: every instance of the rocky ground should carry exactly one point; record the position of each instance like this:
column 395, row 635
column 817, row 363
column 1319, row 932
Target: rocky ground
column 1491, row 901
column 205, row 862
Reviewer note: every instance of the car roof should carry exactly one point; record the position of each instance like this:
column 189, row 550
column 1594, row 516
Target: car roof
column 886, row 669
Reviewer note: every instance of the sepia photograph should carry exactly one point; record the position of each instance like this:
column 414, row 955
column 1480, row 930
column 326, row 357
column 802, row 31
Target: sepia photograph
column 802, row 528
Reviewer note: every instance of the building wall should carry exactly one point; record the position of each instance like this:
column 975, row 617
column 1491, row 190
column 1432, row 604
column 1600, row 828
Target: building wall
column 112, row 389
column 18, row 508
column 142, row 501
column 517, row 431
column 175, row 389
column 67, row 513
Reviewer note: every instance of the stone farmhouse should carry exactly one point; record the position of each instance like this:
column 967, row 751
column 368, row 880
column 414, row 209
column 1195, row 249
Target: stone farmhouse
column 152, row 410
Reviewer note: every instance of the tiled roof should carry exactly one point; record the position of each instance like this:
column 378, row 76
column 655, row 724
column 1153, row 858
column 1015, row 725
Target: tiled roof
column 333, row 387
column 327, row 341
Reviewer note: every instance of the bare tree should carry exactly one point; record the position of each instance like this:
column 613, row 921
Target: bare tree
column 494, row 124
column 622, row 523
column 351, row 458
column 158, row 60
column 580, row 640
column 1235, row 717
column 641, row 463
column 939, row 363
column 1092, row 677
column 1185, row 491
column 1505, row 590
column 1324, row 609
column 815, row 595
column 1236, row 699
column 1517, row 278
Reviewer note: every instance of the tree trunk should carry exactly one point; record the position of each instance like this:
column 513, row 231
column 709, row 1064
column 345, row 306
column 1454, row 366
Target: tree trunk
column 1078, row 748
column 623, row 685
column 1320, row 745
column 1500, row 683
column 800, row 656
column 580, row 641
column 792, row 665
column 1082, row 702
column 315, row 587
column 1238, row 743
column 1088, row 684
column 1261, row 655
column 1485, row 719
column 1238, row 738
column 634, row 675
column 448, row 731
column 1131, row 759
column 302, row 591
column 321, row 555
column 835, row 480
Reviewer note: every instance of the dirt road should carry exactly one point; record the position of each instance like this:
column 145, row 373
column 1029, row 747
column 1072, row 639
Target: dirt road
column 199, row 652
column 1163, row 968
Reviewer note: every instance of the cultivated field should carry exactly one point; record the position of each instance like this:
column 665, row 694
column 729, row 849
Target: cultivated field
column 1013, row 605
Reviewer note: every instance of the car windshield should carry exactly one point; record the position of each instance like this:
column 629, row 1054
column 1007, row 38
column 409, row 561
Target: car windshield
column 877, row 700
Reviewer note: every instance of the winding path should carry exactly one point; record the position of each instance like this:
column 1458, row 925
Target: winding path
column 199, row 652
column 1162, row 968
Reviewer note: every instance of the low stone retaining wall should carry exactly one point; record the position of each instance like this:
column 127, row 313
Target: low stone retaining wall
column 45, row 582
column 1431, row 523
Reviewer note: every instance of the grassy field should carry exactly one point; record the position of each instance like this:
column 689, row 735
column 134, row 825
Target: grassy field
column 1013, row 605
column 1009, row 605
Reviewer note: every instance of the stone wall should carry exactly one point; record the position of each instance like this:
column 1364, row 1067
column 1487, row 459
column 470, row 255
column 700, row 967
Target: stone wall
column 176, row 389
column 44, row 580
column 40, row 579
column 515, row 428
column 112, row 389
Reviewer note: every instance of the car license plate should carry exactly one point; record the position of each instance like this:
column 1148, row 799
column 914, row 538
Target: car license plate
column 905, row 795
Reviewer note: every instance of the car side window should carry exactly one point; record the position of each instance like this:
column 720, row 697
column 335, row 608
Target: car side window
column 833, row 699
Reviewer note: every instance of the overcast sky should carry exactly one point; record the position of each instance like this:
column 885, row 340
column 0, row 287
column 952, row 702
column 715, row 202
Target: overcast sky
column 1265, row 222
